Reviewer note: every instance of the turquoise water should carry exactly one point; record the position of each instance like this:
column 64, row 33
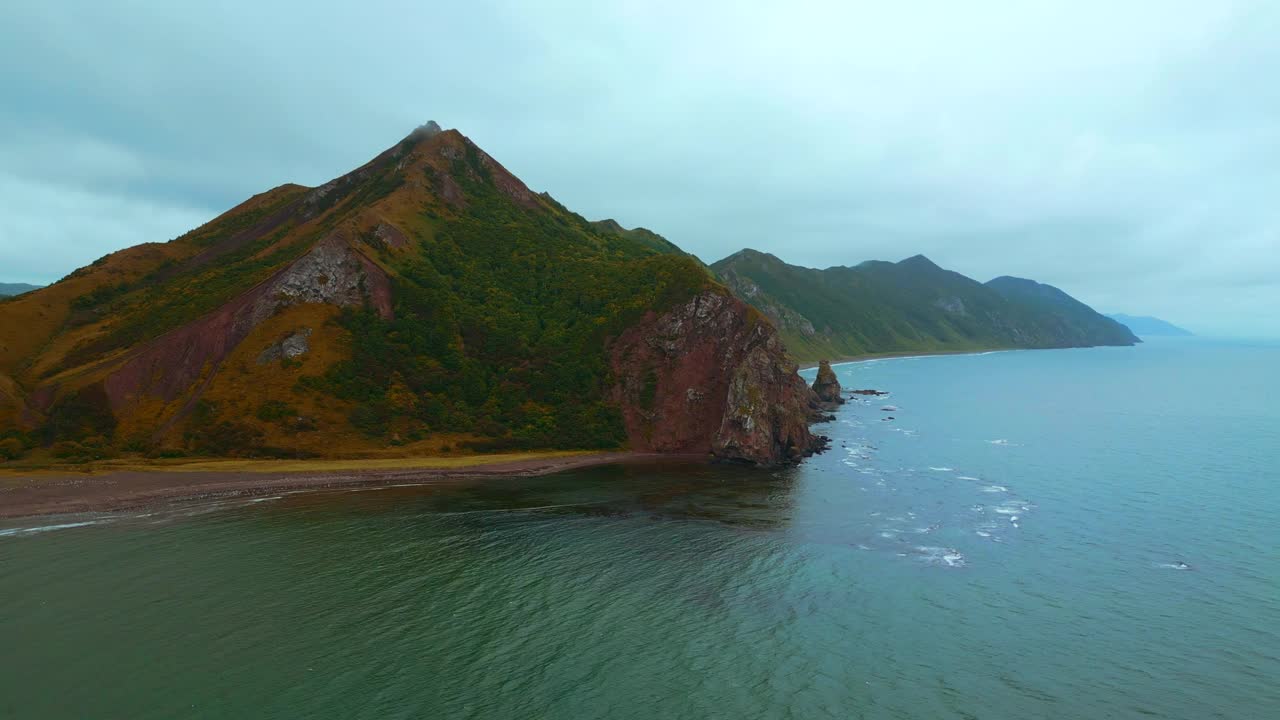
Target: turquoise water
column 1009, row 546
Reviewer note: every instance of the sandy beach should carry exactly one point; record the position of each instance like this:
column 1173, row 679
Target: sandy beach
column 54, row 492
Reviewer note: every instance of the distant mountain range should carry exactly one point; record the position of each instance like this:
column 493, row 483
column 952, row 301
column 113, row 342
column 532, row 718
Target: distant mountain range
column 909, row 306
column 1147, row 326
column 7, row 289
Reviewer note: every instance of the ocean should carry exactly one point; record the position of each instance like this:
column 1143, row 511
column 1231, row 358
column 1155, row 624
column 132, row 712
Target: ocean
column 1034, row 534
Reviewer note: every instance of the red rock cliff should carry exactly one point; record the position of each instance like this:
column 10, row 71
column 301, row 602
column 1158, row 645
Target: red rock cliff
column 331, row 272
column 711, row 376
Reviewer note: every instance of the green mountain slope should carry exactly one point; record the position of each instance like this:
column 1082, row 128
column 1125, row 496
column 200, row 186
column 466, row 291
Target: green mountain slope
column 426, row 300
column 1071, row 322
column 642, row 236
column 908, row 306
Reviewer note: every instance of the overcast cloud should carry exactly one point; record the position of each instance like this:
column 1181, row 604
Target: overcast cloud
column 1128, row 152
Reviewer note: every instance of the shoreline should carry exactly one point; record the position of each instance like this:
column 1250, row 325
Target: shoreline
column 52, row 493
column 906, row 354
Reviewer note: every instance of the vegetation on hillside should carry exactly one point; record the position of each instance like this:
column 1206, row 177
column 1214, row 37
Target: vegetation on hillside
column 908, row 306
column 502, row 307
column 1070, row 320
column 501, row 319
column 642, row 236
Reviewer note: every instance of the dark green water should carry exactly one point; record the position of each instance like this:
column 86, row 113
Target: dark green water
column 1007, row 547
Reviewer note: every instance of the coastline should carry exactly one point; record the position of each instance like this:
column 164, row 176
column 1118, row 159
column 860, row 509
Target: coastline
column 807, row 365
column 56, row 493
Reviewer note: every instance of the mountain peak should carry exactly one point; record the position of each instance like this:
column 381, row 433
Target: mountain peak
column 430, row 129
column 1006, row 284
column 918, row 261
column 1011, row 280
column 750, row 254
column 609, row 225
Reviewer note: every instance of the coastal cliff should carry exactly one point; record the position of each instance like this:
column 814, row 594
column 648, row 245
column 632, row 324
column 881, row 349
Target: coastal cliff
column 711, row 376
column 908, row 306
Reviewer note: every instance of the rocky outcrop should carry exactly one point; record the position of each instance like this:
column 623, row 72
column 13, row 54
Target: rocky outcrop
column 826, row 386
column 953, row 305
column 289, row 347
column 390, row 236
column 426, row 131
column 332, row 273
column 711, row 377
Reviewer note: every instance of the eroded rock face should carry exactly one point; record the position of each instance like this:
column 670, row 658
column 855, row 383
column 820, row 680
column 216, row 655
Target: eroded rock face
column 390, row 236
column 459, row 148
column 332, row 273
column 953, row 305
column 711, row 377
column 826, row 386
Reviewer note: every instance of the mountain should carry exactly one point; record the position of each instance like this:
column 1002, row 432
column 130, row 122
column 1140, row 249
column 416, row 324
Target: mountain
column 908, row 306
column 1072, row 322
column 427, row 300
column 1147, row 326
column 7, row 289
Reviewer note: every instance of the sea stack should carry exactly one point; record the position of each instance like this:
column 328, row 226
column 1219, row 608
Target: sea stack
column 826, row 386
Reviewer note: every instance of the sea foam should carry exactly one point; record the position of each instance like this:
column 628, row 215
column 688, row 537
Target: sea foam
column 45, row 528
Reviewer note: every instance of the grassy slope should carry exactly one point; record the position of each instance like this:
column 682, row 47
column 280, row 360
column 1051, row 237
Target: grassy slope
column 881, row 307
column 1072, row 321
column 642, row 236
column 503, row 310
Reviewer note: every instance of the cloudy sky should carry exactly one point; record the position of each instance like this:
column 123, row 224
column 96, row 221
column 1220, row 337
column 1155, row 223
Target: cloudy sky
column 1128, row 152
